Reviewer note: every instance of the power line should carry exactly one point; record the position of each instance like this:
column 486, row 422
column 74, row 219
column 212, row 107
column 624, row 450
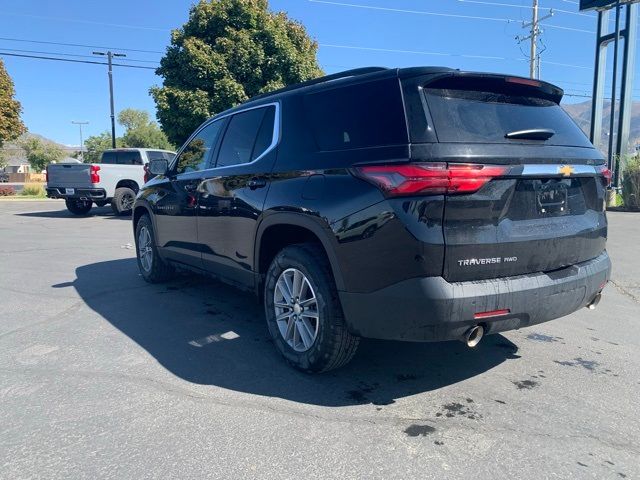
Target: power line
column 89, row 22
column 73, row 61
column 78, row 45
column 444, row 54
column 438, row 14
column 417, row 12
column 72, row 55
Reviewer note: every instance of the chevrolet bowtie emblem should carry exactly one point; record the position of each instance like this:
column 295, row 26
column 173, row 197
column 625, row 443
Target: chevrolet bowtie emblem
column 566, row 170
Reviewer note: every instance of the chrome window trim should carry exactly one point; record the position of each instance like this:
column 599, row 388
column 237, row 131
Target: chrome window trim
column 275, row 139
column 554, row 169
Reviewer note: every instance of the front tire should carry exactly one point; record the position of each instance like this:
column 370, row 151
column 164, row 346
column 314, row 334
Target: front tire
column 152, row 267
column 122, row 201
column 303, row 312
column 77, row 206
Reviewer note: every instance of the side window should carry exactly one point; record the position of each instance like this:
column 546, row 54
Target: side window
column 265, row 134
column 239, row 141
column 155, row 155
column 109, row 158
column 129, row 158
column 196, row 153
column 364, row 115
column 115, row 157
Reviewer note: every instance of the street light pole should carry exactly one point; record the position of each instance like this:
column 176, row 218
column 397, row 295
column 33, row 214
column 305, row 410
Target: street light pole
column 81, row 140
column 110, row 56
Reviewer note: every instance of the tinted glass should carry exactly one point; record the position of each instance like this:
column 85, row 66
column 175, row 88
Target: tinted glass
column 196, row 153
column 158, row 155
column 240, row 137
column 121, row 158
column 486, row 117
column 364, row 115
column 265, row 134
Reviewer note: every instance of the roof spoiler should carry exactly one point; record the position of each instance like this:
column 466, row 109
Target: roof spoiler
column 496, row 83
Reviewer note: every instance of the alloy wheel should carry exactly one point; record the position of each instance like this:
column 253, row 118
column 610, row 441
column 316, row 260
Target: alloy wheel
column 296, row 309
column 145, row 250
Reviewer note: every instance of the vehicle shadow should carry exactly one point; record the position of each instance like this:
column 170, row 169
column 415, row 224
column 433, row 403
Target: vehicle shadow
column 64, row 213
column 208, row 333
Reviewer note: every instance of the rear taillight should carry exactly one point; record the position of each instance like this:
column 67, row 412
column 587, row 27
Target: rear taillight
column 147, row 174
column 95, row 176
column 46, row 175
column 606, row 174
column 430, row 178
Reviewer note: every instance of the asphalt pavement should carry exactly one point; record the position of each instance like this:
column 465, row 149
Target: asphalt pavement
column 105, row 376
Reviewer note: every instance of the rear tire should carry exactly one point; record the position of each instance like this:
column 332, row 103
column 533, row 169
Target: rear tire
column 152, row 267
column 122, row 201
column 332, row 346
column 77, row 206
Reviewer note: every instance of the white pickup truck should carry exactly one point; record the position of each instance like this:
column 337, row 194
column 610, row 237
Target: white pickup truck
column 116, row 179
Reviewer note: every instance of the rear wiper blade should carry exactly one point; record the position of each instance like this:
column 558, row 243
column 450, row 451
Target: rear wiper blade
column 532, row 134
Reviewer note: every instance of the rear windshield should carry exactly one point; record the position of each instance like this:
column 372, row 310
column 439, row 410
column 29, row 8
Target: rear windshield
column 357, row 116
column 122, row 158
column 486, row 117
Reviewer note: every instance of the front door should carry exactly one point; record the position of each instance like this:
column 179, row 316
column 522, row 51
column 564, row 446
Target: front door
column 232, row 195
column 176, row 208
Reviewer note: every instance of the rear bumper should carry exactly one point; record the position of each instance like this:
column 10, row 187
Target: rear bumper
column 80, row 193
column 432, row 309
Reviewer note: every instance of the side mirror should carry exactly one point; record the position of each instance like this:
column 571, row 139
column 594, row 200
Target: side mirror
column 158, row 167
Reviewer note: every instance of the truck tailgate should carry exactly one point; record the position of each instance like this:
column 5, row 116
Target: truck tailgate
column 73, row 175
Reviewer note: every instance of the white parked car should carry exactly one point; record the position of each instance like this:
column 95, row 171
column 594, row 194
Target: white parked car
column 116, row 179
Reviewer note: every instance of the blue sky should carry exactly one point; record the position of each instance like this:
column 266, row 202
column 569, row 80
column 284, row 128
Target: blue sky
column 472, row 35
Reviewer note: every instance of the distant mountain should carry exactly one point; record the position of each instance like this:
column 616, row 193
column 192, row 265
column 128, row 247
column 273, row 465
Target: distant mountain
column 15, row 155
column 581, row 113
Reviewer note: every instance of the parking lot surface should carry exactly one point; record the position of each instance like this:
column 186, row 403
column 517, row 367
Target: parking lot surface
column 105, row 376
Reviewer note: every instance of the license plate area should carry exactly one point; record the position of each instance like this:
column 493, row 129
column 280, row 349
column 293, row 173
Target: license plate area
column 552, row 197
column 70, row 191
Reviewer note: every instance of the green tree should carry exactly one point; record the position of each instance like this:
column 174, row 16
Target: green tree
column 96, row 144
column 11, row 127
column 40, row 153
column 227, row 52
column 140, row 132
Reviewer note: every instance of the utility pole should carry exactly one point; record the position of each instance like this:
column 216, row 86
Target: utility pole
column 110, row 56
column 533, row 37
column 81, row 140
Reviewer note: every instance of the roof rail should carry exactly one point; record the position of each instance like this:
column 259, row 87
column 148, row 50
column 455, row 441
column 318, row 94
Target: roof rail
column 335, row 76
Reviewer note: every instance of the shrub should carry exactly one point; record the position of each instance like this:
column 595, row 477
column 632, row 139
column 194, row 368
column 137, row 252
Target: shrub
column 33, row 190
column 631, row 183
column 7, row 190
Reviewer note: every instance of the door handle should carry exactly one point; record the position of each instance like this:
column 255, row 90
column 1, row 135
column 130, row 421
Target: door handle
column 256, row 182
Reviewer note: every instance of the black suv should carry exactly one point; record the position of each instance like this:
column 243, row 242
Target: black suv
column 417, row 204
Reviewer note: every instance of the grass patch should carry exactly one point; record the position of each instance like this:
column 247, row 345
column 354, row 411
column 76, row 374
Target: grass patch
column 33, row 190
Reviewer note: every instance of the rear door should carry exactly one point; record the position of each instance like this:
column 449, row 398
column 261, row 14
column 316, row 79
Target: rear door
column 532, row 198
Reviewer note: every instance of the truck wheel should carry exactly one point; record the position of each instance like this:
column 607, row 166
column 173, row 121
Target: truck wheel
column 152, row 268
column 303, row 312
column 122, row 201
column 77, row 206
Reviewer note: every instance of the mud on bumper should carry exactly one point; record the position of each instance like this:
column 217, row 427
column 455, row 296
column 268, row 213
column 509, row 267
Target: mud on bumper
column 432, row 309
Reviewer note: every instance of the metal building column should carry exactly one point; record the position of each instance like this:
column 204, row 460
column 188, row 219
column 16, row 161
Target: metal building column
column 626, row 87
column 595, row 133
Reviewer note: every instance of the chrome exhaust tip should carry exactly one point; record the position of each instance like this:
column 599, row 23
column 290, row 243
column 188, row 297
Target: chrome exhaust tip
column 596, row 300
column 474, row 335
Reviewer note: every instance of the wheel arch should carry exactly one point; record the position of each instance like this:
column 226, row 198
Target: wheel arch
column 297, row 228
column 127, row 183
